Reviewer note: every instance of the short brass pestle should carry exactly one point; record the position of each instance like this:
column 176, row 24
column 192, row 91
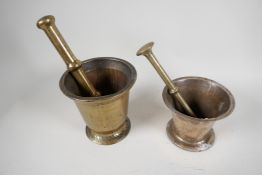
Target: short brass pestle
column 146, row 50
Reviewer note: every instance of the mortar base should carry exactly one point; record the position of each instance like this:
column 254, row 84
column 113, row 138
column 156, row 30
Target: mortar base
column 109, row 138
column 194, row 147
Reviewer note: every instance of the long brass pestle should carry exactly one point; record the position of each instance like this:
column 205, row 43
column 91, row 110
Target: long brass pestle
column 47, row 24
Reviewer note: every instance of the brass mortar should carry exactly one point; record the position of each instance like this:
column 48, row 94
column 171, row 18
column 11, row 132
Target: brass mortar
column 210, row 101
column 105, row 116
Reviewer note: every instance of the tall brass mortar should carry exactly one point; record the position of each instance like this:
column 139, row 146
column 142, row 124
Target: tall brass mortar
column 105, row 116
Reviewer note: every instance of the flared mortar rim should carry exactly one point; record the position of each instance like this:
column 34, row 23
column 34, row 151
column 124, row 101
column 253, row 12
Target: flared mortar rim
column 115, row 95
column 180, row 114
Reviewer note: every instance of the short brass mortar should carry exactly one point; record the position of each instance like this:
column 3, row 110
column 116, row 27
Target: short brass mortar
column 210, row 100
column 105, row 116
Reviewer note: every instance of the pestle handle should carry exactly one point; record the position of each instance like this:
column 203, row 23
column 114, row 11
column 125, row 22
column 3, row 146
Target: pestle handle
column 146, row 50
column 47, row 24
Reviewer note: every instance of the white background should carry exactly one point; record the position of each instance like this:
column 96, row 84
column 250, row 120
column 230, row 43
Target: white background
column 41, row 130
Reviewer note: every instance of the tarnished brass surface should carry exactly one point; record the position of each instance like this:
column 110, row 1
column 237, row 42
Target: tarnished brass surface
column 210, row 100
column 47, row 23
column 105, row 116
column 146, row 50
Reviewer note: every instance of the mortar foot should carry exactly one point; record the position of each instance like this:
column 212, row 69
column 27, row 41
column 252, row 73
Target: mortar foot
column 194, row 147
column 109, row 138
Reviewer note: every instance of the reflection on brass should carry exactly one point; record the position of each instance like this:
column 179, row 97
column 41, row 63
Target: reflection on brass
column 47, row 23
column 210, row 100
column 105, row 116
column 146, row 50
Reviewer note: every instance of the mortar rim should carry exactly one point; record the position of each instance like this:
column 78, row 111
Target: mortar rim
column 115, row 95
column 180, row 114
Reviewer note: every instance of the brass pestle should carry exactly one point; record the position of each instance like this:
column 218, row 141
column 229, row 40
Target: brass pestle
column 47, row 24
column 146, row 50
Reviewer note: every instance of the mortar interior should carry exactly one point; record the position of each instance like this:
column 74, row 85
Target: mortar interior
column 109, row 76
column 207, row 98
column 106, row 81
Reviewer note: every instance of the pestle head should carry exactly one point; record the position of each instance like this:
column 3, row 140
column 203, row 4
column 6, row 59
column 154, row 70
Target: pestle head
column 145, row 49
column 45, row 21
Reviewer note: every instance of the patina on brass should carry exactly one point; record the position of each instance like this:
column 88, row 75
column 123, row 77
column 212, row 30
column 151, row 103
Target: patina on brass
column 105, row 116
column 47, row 23
column 210, row 100
column 146, row 50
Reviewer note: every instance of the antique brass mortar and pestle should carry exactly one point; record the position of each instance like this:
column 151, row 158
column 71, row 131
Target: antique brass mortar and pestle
column 196, row 103
column 99, row 87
